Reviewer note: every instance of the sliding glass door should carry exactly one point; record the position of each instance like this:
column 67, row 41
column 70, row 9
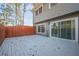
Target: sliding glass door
column 63, row 29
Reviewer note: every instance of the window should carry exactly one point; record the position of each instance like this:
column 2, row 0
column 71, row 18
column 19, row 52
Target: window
column 40, row 10
column 36, row 12
column 41, row 28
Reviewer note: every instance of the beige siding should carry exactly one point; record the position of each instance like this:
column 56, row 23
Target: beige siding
column 55, row 11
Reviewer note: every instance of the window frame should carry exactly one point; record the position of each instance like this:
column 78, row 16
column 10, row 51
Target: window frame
column 38, row 9
column 43, row 24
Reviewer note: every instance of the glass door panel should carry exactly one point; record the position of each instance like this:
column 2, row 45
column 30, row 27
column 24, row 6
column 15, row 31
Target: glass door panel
column 66, row 29
column 73, row 29
column 55, row 30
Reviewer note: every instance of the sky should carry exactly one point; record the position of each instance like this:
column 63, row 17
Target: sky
column 28, row 18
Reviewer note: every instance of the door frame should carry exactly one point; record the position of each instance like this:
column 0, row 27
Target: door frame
column 76, row 26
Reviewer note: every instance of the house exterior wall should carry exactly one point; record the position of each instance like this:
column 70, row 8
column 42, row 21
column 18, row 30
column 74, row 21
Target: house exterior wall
column 48, row 23
column 55, row 11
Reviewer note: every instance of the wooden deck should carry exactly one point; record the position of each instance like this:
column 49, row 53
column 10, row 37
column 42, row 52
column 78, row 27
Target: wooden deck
column 36, row 45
